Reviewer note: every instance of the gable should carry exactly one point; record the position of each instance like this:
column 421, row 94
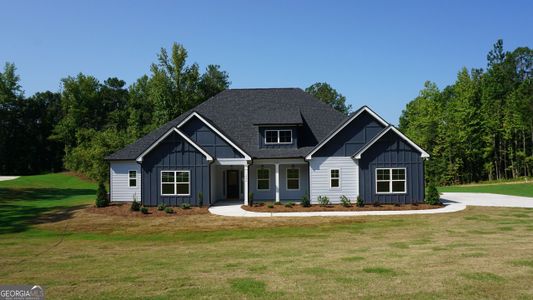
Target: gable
column 208, row 139
column 174, row 150
column 390, row 133
column 352, row 137
column 390, row 148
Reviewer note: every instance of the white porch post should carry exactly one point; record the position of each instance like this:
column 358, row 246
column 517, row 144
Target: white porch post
column 245, row 184
column 277, row 182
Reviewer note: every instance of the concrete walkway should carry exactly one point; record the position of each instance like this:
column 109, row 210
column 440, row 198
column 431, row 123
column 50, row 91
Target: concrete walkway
column 453, row 202
column 4, row 178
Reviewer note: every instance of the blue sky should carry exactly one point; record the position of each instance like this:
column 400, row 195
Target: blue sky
column 377, row 53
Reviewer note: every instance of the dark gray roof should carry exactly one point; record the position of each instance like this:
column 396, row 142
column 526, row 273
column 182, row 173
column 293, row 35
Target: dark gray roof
column 236, row 113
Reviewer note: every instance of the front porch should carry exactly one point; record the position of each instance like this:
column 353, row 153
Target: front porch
column 266, row 179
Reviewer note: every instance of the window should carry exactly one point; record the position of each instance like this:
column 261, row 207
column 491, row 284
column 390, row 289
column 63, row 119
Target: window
column 271, row 137
column 390, row 180
column 175, row 183
column 263, row 179
column 293, row 179
column 132, row 178
column 278, row 136
column 335, row 178
column 285, row 136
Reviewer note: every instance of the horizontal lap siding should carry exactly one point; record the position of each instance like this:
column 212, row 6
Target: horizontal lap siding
column 174, row 154
column 319, row 169
column 119, row 178
column 392, row 152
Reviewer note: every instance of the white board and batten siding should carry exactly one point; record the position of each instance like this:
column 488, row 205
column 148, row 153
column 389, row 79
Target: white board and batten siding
column 319, row 174
column 120, row 189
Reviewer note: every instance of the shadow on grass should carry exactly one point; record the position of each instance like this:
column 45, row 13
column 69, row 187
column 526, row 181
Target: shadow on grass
column 21, row 208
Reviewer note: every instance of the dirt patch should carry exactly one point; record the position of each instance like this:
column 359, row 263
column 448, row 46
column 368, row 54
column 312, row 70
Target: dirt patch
column 269, row 207
column 123, row 210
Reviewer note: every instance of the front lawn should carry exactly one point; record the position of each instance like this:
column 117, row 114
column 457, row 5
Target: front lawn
column 74, row 253
column 520, row 188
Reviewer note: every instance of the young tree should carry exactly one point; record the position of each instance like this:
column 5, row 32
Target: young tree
column 330, row 96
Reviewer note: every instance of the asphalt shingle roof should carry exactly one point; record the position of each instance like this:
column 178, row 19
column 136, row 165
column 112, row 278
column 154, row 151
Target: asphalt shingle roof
column 237, row 112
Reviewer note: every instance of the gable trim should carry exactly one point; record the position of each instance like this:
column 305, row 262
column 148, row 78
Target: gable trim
column 186, row 138
column 195, row 114
column 353, row 117
column 359, row 153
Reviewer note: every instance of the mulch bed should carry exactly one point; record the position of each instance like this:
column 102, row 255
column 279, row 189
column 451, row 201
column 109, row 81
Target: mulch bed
column 263, row 207
column 123, row 210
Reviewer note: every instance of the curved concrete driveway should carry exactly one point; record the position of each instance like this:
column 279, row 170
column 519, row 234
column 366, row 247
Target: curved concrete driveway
column 453, row 201
column 4, row 178
column 485, row 199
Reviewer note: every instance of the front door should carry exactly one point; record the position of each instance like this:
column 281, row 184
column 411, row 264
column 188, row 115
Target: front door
column 232, row 184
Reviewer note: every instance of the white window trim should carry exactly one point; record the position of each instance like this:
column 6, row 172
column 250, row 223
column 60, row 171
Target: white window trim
column 330, row 178
column 278, row 135
column 257, row 180
column 287, row 179
column 130, row 178
column 175, row 182
column 391, row 181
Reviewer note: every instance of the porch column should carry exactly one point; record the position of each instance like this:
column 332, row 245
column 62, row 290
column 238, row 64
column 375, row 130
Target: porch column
column 245, row 175
column 277, row 182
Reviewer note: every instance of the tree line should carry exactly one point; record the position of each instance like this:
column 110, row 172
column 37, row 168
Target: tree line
column 481, row 126
column 77, row 127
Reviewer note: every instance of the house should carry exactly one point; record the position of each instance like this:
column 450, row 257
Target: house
column 275, row 144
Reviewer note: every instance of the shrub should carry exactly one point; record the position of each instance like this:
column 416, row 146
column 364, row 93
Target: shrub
column 432, row 194
column 161, row 206
column 101, row 196
column 250, row 199
column 200, row 199
column 185, row 206
column 144, row 209
column 323, row 200
column 135, row 205
column 277, row 203
column 270, row 206
column 360, row 202
column 376, row 203
column 345, row 201
column 305, row 201
column 289, row 204
column 169, row 210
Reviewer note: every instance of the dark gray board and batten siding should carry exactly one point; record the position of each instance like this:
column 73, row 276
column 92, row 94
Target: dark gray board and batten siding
column 174, row 154
column 352, row 137
column 391, row 151
column 209, row 140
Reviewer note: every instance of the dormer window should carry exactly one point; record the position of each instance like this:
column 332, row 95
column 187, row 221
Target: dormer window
column 278, row 137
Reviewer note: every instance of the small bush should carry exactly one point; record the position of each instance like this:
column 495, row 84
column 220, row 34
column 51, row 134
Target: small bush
column 345, row 201
column 161, row 207
column 289, row 204
column 360, row 202
column 200, row 199
column 397, row 204
column 270, row 206
column 144, row 210
column 277, row 203
column 376, row 203
column 432, row 194
column 250, row 199
column 185, row 206
column 305, row 201
column 169, row 210
column 323, row 200
column 135, row 205
column 101, row 196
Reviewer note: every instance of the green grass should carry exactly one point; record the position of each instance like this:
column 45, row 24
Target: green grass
column 75, row 253
column 524, row 189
